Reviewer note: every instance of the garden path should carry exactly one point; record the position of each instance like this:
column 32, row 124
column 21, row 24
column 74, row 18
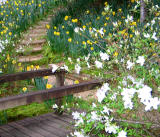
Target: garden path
column 30, row 50
column 31, row 44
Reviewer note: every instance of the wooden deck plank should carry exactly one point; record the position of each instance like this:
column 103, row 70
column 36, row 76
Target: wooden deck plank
column 41, row 131
column 64, row 118
column 12, row 131
column 17, row 133
column 47, row 125
column 61, row 132
column 4, row 133
column 40, row 123
column 57, row 124
column 25, row 130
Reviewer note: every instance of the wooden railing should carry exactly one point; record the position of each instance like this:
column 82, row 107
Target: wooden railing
column 42, row 95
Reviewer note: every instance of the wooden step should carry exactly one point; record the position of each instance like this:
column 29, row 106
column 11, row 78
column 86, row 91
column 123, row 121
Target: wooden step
column 23, row 59
column 38, row 31
column 31, row 49
column 33, row 35
column 35, row 42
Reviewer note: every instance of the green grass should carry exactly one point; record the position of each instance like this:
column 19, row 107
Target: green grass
column 22, row 112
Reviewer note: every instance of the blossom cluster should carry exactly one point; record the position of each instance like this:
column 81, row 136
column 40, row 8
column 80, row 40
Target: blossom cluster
column 95, row 116
column 144, row 94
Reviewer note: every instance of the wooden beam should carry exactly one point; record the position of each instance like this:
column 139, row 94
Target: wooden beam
column 27, row 75
column 40, row 96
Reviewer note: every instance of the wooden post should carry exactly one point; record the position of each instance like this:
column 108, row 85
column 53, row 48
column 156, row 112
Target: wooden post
column 142, row 12
column 59, row 82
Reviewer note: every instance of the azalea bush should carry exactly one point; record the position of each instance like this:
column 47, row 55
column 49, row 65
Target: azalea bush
column 116, row 47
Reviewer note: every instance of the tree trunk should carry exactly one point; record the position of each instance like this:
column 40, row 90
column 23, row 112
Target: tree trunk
column 142, row 12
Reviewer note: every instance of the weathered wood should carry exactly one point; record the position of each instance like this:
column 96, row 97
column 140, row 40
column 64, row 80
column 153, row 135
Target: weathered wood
column 59, row 82
column 142, row 11
column 40, row 130
column 46, row 125
column 27, row 75
column 60, row 79
column 24, row 130
column 40, row 96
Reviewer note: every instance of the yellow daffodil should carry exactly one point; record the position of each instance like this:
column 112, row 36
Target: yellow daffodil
column 76, row 82
column 66, row 18
column 45, row 77
column 37, row 67
column 74, row 20
column 28, row 68
column 92, row 48
column 48, row 86
column 107, row 18
column 69, row 40
column 87, row 12
column 24, row 89
column 10, row 33
column 83, row 42
column 19, row 64
column 48, row 26
column 13, row 62
column 115, row 54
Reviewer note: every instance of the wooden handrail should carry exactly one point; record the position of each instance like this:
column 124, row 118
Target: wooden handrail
column 28, row 75
column 40, row 96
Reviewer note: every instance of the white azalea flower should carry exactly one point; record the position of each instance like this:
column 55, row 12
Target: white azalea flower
column 76, row 115
column 69, row 59
column 88, row 65
column 93, row 105
column 78, row 134
column 146, row 35
column 153, row 22
column 141, row 60
column 94, row 116
column 129, row 64
column 106, row 110
column 98, row 64
column 54, row 68
column 77, row 68
column 104, row 56
column 54, row 106
column 122, row 134
column 101, row 93
column 154, row 36
column 64, row 67
column 111, row 129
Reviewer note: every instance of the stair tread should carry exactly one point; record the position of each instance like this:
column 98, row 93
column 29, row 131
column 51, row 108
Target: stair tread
column 41, row 41
column 30, row 58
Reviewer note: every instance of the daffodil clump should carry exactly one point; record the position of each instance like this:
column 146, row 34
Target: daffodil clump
column 15, row 17
column 115, row 46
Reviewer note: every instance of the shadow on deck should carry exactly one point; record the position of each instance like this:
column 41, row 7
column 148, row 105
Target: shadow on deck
column 47, row 125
